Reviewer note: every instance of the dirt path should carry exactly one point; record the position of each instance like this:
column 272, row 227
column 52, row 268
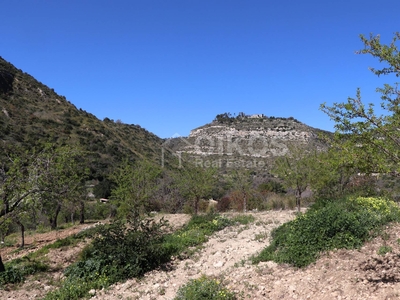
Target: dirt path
column 39, row 240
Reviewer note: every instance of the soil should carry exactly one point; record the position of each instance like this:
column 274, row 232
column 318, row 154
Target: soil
column 342, row 274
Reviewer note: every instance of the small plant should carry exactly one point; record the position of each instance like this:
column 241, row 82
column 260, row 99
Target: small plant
column 19, row 268
column 204, row 288
column 261, row 236
column 243, row 219
column 384, row 249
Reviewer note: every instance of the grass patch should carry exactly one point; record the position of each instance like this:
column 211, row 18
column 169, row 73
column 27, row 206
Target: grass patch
column 346, row 223
column 18, row 269
column 35, row 262
column 204, row 288
column 243, row 219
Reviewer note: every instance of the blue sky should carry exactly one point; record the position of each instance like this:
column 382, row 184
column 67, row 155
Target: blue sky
column 171, row 66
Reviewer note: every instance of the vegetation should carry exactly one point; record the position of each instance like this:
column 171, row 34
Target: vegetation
column 370, row 140
column 295, row 169
column 48, row 157
column 120, row 251
column 195, row 182
column 32, row 115
column 204, row 288
column 346, row 223
column 135, row 184
column 366, row 142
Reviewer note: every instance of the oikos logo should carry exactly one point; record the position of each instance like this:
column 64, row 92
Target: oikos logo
column 254, row 146
column 228, row 151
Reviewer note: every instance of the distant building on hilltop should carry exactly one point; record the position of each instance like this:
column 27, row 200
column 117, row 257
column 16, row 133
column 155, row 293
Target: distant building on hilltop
column 257, row 116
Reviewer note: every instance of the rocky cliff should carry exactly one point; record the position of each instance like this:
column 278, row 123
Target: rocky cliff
column 245, row 141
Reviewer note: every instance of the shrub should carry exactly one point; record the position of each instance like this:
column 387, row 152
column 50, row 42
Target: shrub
column 331, row 225
column 118, row 251
column 204, row 288
column 224, row 204
column 19, row 268
column 122, row 252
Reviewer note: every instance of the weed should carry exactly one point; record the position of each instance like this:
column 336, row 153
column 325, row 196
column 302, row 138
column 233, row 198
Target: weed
column 204, row 288
column 384, row 249
column 261, row 236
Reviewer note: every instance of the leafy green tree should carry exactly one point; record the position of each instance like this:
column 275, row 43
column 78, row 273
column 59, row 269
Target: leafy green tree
column 332, row 173
column 195, row 182
column 136, row 183
column 295, row 169
column 369, row 139
column 38, row 178
column 59, row 175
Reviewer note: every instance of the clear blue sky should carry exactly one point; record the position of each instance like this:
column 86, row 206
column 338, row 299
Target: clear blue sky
column 171, row 66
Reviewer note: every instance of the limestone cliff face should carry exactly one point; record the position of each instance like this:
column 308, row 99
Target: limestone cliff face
column 246, row 140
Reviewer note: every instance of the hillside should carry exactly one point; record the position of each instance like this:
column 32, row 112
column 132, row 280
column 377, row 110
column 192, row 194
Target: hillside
column 246, row 141
column 32, row 113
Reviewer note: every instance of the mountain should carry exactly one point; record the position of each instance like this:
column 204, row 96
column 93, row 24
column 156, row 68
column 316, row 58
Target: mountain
column 245, row 141
column 32, row 114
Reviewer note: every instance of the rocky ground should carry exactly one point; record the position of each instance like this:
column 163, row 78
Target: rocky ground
column 343, row 274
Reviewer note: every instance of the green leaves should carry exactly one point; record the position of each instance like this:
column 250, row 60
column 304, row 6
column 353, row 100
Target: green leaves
column 195, row 182
column 295, row 169
column 370, row 139
column 136, row 184
column 331, row 225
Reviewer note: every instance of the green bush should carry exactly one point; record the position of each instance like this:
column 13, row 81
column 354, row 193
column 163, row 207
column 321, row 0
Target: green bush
column 204, row 288
column 330, row 225
column 19, row 268
column 118, row 251
column 122, row 252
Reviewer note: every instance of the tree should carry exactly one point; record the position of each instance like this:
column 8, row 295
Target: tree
column 242, row 182
column 36, row 178
column 59, row 174
column 195, row 182
column 332, row 173
column 295, row 169
column 370, row 139
column 136, row 183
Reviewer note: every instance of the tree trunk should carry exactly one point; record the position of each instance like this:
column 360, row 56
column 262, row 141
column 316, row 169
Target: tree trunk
column 2, row 268
column 54, row 220
column 22, row 233
column 244, row 203
column 298, row 203
column 196, row 206
column 82, row 213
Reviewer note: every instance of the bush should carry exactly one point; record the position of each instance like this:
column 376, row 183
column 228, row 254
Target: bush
column 19, row 268
column 326, row 226
column 224, row 204
column 204, row 288
column 118, row 251
column 122, row 252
